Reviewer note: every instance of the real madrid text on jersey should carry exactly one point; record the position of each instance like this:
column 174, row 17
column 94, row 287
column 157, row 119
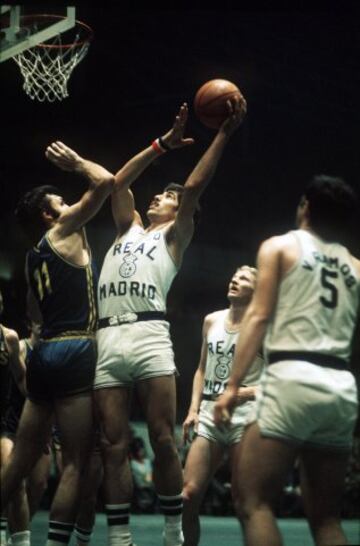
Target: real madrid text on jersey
column 137, row 273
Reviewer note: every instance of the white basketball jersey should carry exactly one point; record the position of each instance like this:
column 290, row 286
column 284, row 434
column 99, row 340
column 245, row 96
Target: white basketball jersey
column 137, row 273
column 220, row 353
column 317, row 302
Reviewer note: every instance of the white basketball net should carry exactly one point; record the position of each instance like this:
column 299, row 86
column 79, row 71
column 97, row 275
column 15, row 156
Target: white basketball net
column 46, row 70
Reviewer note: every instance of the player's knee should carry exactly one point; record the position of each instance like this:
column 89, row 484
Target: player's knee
column 71, row 472
column 163, row 445
column 114, row 451
column 38, row 484
column 191, row 492
column 243, row 505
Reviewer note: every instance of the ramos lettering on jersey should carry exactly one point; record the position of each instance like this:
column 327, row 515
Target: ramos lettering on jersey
column 331, row 263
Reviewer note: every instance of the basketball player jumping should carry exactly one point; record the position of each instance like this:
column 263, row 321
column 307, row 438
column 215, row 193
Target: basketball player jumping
column 60, row 372
column 306, row 302
column 220, row 332
column 133, row 337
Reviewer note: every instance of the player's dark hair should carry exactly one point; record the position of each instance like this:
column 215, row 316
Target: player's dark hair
column 179, row 189
column 332, row 207
column 31, row 205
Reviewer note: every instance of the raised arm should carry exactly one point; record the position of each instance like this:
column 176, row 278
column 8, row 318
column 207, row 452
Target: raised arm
column 100, row 181
column 255, row 322
column 192, row 418
column 200, row 177
column 122, row 200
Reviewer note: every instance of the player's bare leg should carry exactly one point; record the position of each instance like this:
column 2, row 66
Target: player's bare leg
column 117, row 482
column 75, row 420
column 322, row 484
column 18, row 519
column 31, row 437
column 158, row 398
column 36, row 482
column 87, row 509
column 202, row 461
column 259, row 475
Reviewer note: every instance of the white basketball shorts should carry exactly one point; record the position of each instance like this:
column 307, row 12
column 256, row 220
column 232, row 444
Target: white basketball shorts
column 133, row 352
column 233, row 432
column 307, row 404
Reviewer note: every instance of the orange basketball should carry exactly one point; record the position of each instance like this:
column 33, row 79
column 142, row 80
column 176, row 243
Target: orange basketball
column 210, row 101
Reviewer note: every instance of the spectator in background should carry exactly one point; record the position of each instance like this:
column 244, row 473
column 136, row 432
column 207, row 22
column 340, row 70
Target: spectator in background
column 142, row 473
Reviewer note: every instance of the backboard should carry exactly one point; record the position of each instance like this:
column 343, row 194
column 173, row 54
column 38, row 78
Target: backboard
column 16, row 35
column 46, row 47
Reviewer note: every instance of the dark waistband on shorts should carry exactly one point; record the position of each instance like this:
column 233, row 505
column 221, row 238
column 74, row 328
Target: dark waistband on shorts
column 128, row 317
column 327, row 361
column 210, row 397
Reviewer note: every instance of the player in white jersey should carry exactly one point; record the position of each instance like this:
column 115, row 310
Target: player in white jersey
column 306, row 303
column 133, row 336
column 220, row 332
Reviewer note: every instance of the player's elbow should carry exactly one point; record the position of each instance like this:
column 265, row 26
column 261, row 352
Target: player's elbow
column 193, row 186
column 104, row 185
column 108, row 181
column 259, row 318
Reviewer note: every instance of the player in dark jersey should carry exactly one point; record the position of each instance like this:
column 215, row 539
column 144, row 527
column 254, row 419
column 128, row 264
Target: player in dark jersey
column 62, row 291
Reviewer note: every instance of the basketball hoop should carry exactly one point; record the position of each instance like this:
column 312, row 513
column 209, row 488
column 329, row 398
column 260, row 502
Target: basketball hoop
column 47, row 67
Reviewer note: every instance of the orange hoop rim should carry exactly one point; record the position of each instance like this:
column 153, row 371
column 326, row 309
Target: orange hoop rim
column 43, row 16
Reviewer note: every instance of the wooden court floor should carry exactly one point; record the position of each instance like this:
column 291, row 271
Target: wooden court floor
column 216, row 531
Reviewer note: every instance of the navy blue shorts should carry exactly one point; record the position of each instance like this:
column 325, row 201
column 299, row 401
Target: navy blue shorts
column 60, row 368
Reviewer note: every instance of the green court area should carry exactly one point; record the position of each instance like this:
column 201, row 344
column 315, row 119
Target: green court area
column 216, row 531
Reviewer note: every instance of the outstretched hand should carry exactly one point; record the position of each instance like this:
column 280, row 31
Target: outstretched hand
column 223, row 408
column 63, row 157
column 175, row 137
column 237, row 110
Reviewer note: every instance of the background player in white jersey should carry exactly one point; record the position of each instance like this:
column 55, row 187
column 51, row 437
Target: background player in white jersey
column 220, row 332
column 306, row 302
column 133, row 338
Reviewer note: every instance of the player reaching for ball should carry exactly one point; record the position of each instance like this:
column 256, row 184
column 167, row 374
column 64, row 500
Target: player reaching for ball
column 134, row 345
column 210, row 103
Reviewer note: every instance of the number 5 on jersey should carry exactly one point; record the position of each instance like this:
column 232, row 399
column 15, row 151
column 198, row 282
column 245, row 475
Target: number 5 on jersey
column 331, row 299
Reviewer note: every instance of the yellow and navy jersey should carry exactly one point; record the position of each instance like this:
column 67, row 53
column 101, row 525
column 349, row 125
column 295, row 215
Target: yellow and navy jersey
column 66, row 293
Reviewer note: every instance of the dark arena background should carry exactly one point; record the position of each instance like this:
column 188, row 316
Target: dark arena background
column 300, row 74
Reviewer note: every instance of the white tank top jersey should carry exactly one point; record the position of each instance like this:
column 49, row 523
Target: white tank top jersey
column 220, row 353
column 318, row 301
column 137, row 273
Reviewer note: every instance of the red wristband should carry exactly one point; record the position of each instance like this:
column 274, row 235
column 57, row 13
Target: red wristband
column 157, row 147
